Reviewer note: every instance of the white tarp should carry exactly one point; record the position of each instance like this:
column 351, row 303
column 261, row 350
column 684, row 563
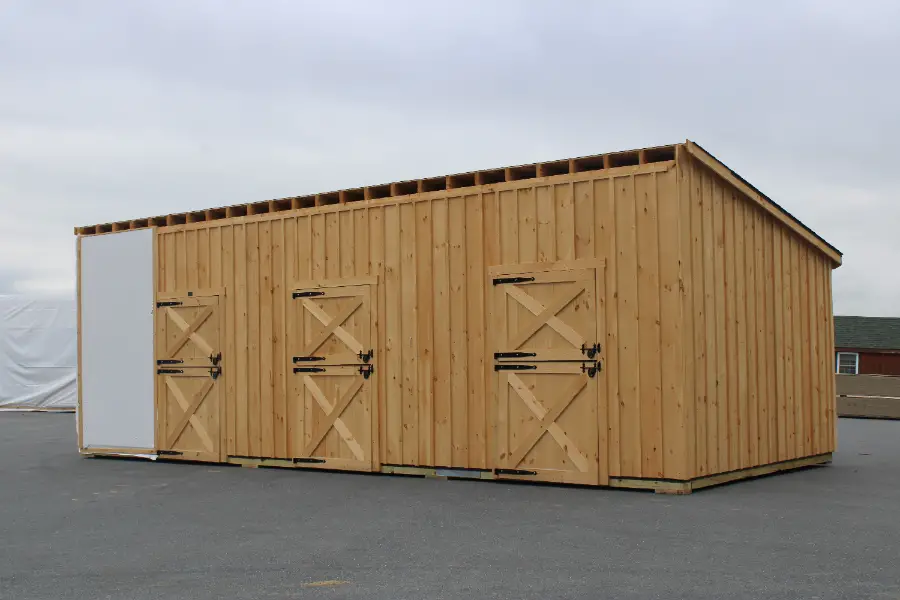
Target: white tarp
column 38, row 352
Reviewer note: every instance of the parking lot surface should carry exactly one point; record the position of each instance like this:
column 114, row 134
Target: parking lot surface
column 81, row 528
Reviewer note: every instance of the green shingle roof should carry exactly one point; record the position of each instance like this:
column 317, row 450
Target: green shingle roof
column 871, row 333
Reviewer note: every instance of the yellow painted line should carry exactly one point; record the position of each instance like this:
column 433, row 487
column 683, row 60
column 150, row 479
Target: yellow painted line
column 326, row 583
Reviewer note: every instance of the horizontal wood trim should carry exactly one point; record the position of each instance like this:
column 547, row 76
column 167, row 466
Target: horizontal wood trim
column 339, row 282
column 194, row 293
column 560, row 265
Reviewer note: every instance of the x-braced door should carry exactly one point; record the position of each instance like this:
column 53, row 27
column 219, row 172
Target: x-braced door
column 188, row 370
column 334, row 363
column 547, row 361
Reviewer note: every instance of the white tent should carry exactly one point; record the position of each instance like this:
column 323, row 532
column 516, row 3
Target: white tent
column 38, row 352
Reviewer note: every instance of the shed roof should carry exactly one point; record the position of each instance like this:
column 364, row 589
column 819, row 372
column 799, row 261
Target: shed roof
column 867, row 333
column 613, row 160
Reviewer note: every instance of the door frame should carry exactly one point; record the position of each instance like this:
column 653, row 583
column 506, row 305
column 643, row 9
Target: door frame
column 375, row 336
column 220, row 293
column 603, row 382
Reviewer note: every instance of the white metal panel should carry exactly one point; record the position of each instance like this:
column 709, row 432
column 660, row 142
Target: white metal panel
column 117, row 304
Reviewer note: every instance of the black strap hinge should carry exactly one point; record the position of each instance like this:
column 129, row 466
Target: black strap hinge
column 309, row 369
column 298, row 359
column 514, row 472
column 168, row 303
column 169, row 453
column 515, row 367
column 169, row 361
column 306, row 294
column 514, row 354
column 168, row 371
column 502, row 280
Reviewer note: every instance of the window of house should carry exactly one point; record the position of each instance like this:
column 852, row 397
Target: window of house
column 848, row 363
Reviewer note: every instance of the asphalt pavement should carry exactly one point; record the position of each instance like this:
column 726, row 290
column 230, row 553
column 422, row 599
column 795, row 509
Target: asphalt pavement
column 82, row 528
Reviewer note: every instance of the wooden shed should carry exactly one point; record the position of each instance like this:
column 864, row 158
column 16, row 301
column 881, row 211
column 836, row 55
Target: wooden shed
column 641, row 319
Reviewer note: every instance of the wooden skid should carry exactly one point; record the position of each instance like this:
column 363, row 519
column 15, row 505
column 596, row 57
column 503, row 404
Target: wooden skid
column 663, row 486
column 660, row 486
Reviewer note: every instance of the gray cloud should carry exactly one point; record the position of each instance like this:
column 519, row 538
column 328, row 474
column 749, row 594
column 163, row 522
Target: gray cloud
column 114, row 110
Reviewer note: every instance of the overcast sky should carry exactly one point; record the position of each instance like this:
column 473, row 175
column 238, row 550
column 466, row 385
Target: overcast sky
column 117, row 110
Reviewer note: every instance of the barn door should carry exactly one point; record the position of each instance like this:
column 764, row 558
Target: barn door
column 334, row 362
column 189, row 369
column 547, row 365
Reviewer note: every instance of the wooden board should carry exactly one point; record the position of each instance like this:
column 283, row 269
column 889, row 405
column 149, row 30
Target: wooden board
column 188, row 397
column 333, row 361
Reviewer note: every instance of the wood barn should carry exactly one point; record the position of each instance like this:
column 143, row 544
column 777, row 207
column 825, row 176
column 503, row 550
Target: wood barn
column 641, row 319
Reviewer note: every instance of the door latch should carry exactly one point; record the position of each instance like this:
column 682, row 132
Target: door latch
column 592, row 368
column 366, row 356
column 366, row 370
column 591, row 351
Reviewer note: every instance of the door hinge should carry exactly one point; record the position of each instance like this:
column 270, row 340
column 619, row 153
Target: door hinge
column 366, row 356
column 514, row 354
column 168, row 303
column 298, row 359
column 515, row 367
column 306, row 294
column 514, row 472
column 169, row 453
column 502, row 280
column 169, row 361
column 309, row 369
column 168, row 371
column 366, row 370
column 591, row 351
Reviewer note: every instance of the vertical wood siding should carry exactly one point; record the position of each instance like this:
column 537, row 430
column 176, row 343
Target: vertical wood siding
column 718, row 324
column 757, row 332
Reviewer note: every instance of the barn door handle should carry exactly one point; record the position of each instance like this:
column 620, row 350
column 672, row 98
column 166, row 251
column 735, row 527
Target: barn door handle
column 592, row 369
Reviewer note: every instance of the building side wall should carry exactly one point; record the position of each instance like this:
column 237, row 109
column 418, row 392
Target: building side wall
column 431, row 252
column 759, row 372
column 873, row 362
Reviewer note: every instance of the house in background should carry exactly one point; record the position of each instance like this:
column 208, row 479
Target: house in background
column 867, row 345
